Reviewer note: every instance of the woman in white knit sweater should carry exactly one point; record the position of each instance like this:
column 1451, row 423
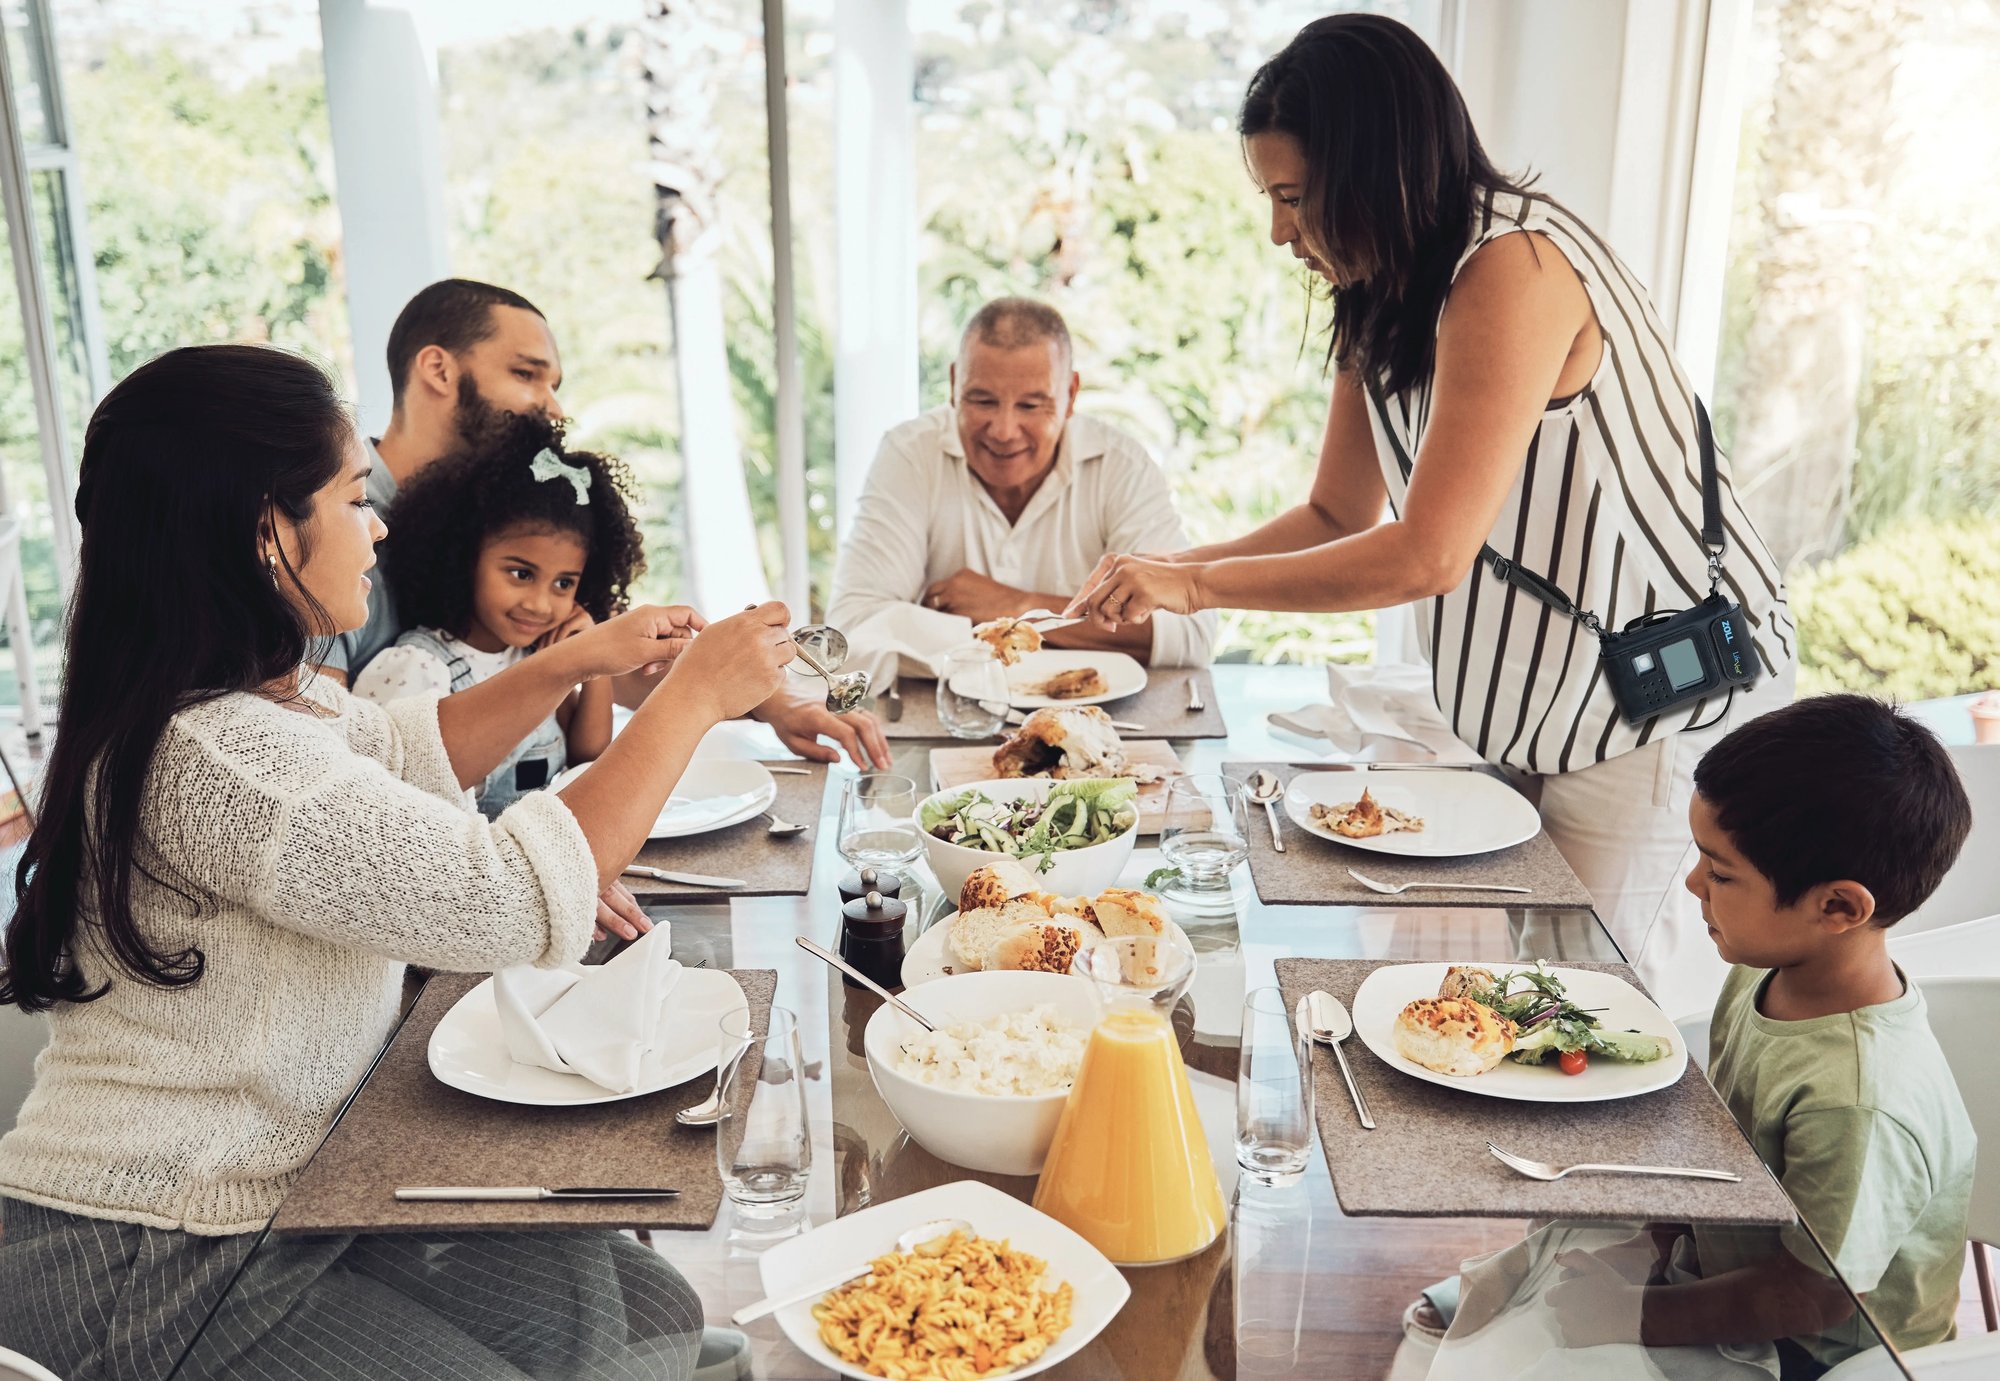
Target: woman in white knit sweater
column 231, row 866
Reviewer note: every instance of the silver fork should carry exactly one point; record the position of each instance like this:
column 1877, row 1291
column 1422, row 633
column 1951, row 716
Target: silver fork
column 1195, row 703
column 1538, row 1170
column 1046, row 620
column 1390, row 889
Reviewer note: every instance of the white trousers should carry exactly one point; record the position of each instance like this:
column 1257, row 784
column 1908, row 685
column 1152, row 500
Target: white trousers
column 1622, row 825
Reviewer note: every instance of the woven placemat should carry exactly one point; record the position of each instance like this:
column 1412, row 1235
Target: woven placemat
column 404, row 1127
column 772, row 867
column 1312, row 871
column 1427, row 1156
column 1161, row 707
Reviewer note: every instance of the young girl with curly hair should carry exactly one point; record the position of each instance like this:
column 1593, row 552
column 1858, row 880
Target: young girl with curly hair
column 494, row 554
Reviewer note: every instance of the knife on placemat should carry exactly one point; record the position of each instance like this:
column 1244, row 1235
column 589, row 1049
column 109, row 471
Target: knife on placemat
column 895, row 696
column 685, row 879
column 507, row 1192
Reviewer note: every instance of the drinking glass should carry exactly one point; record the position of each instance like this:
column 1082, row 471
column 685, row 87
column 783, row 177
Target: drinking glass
column 972, row 693
column 878, row 824
column 1206, row 832
column 763, row 1145
column 1274, row 1097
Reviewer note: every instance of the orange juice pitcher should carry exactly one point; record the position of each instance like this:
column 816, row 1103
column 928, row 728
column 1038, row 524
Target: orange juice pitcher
column 1129, row 1170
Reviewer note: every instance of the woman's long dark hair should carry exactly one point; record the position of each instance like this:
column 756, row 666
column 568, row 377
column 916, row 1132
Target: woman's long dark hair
column 183, row 463
column 1394, row 171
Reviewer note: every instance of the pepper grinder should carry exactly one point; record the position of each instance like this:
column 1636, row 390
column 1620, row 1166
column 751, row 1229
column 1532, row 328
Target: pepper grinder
column 854, row 886
column 871, row 938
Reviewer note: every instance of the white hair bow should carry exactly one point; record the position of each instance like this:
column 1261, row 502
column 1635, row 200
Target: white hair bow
column 547, row 465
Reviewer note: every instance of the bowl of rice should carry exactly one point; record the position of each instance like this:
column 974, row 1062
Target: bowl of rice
column 986, row 1089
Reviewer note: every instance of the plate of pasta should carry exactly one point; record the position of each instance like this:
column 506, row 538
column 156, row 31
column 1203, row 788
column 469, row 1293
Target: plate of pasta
column 1025, row 1292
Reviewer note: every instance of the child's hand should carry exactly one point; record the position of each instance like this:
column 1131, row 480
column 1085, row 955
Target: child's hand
column 1594, row 1304
column 568, row 628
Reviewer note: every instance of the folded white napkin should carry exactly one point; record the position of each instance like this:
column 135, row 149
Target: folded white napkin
column 905, row 639
column 1375, row 708
column 598, row 1021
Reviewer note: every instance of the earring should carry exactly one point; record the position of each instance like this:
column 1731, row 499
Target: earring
column 271, row 564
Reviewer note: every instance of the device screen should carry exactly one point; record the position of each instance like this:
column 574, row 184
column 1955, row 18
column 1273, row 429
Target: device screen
column 1682, row 663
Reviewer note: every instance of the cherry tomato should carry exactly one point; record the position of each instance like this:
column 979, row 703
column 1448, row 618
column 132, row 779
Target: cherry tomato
column 1573, row 1061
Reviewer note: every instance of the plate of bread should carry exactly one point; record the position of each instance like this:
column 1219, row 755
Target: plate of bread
column 1056, row 676
column 1533, row 1032
column 1449, row 813
column 1004, row 921
column 1064, row 743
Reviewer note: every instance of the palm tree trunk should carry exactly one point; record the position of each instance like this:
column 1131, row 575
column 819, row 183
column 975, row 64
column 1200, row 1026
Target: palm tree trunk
column 1828, row 153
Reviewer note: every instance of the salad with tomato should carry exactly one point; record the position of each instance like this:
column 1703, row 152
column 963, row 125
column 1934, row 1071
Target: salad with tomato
column 1546, row 1023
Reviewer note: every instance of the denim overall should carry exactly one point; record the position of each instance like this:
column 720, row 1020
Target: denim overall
column 534, row 763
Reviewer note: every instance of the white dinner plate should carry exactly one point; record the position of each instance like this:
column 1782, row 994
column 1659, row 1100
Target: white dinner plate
column 1464, row 812
column 930, row 957
column 1100, row 1291
column 712, row 794
column 1385, row 992
column 468, row 1051
column 1122, row 676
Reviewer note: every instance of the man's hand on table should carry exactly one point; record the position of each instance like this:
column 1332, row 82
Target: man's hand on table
column 618, row 914
column 978, row 597
column 801, row 723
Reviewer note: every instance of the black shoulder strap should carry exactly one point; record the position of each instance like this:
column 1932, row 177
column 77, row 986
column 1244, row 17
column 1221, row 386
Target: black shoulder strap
column 1539, row 587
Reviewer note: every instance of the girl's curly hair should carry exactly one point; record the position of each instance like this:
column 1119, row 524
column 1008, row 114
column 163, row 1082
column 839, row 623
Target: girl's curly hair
column 448, row 510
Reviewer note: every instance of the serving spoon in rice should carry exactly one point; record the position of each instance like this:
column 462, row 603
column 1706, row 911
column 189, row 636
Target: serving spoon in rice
column 906, row 1243
column 865, row 981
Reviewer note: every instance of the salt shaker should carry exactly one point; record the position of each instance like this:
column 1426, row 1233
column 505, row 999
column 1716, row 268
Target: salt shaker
column 871, row 938
column 856, row 885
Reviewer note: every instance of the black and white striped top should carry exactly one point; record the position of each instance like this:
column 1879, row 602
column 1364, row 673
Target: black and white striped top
column 1608, row 506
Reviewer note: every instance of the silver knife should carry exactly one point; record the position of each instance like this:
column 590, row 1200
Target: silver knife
column 484, row 1193
column 1397, row 767
column 895, row 695
column 685, row 879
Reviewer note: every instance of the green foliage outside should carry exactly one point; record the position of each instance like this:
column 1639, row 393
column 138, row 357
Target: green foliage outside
column 1912, row 613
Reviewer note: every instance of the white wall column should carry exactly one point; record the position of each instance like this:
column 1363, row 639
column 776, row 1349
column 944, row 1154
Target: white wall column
column 875, row 236
column 388, row 158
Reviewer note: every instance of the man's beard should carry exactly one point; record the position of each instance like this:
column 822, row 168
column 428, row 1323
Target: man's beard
column 479, row 423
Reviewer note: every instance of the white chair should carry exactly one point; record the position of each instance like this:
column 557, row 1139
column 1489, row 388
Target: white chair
column 1976, row 1358
column 1965, row 1017
column 1969, row 890
column 14, row 613
column 1968, row 949
column 15, row 1367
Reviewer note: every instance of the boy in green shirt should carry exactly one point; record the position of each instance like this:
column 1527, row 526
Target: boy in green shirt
column 1820, row 825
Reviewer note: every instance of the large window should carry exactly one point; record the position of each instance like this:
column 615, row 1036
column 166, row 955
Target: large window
column 1086, row 153
column 1859, row 371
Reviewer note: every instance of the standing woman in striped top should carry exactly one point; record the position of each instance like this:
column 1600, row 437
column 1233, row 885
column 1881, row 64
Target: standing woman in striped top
column 1501, row 380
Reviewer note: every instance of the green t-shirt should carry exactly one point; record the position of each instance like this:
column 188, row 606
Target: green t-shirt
column 1858, row 1116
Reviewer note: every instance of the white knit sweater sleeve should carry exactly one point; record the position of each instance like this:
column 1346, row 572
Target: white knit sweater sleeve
column 369, row 844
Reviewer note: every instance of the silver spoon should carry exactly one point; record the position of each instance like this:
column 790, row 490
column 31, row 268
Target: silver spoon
column 907, row 1242
column 865, row 981
column 1542, row 1170
column 845, row 690
column 782, row 829
column 1266, row 789
column 1326, row 1021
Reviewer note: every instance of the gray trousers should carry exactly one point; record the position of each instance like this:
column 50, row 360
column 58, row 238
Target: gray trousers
column 92, row 1299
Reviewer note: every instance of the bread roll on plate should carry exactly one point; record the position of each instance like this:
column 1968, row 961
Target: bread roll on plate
column 1127, row 911
column 1451, row 1035
column 996, row 884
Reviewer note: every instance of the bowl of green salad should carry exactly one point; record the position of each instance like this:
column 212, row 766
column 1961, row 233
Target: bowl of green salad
column 1074, row 836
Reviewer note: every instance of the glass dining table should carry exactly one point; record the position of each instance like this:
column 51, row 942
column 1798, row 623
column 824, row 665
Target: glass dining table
column 1295, row 1287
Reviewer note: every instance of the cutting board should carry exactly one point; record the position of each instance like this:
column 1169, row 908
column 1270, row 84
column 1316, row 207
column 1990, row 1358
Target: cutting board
column 951, row 767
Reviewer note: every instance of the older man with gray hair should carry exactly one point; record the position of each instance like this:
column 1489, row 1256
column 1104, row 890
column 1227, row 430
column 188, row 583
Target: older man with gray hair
column 1004, row 500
